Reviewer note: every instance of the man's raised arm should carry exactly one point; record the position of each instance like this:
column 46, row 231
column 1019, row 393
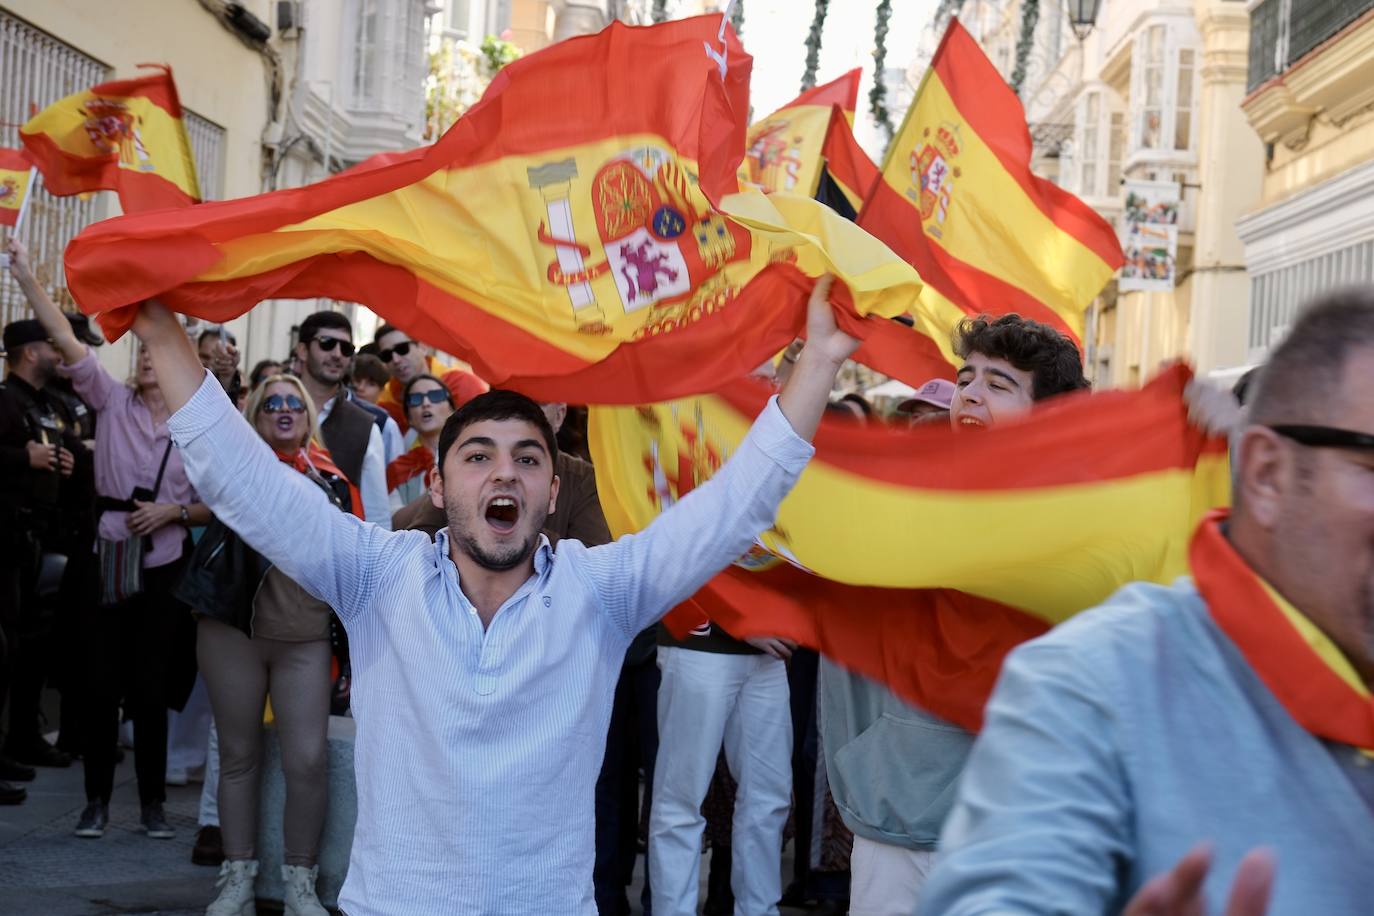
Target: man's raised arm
column 642, row 576
column 276, row 510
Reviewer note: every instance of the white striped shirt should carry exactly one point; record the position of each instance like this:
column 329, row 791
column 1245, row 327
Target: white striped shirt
column 477, row 753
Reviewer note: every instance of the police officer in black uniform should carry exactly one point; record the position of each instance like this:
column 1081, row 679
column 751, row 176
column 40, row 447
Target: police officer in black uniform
column 40, row 449
column 80, row 588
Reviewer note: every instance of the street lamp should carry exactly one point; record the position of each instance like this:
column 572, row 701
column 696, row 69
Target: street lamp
column 1082, row 16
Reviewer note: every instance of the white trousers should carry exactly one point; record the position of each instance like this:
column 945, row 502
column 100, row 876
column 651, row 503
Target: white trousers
column 886, row 880
column 706, row 698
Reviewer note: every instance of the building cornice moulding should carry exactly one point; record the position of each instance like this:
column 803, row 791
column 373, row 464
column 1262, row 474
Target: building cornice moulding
column 1333, row 215
column 1337, row 77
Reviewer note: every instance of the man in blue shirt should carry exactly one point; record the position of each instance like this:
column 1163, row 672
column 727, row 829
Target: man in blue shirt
column 1232, row 708
column 484, row 663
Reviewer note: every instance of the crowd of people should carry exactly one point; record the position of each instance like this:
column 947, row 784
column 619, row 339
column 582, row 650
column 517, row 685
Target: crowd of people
column 366, row 531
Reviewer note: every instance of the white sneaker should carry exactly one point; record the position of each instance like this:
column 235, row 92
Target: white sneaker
column 300, row 899
column 236, row 898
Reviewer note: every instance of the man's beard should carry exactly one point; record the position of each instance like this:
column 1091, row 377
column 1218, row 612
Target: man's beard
column 321, row 374
column 507, row 559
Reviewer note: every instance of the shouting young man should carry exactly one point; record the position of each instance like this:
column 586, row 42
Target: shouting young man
column 894, row 769
column 484, row 661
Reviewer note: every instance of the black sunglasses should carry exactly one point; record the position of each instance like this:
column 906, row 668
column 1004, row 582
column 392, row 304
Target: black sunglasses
column 433, row 395
column 275, row 403
column 401, row 349
column 327, row 344
column 1326, row 437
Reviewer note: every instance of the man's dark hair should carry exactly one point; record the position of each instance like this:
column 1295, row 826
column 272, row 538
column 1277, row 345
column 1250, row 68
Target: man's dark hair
column 382, row 332
column 1055, row 365
column 259, row 372
column 336, row 321
column 370, row 349
column 423, row 377
column 367, row 366
column 859, row 401
column 214, row 332
column 497, row 404
column 1304, row 373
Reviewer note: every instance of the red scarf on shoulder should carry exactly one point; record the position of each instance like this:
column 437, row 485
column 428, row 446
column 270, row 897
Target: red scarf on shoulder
column 419, row 460
column 317, row 456
column 1299, row 663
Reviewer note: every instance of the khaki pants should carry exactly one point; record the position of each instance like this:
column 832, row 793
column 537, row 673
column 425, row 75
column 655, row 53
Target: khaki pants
column 886, row 879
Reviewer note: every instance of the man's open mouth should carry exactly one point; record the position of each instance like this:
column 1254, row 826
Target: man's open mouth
column 502, row 513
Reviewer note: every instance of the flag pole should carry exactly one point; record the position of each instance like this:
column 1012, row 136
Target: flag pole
column 28, row 196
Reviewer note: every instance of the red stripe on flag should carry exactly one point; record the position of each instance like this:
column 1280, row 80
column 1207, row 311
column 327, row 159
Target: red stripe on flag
column 936, row 648
column 65, row 174
column 843, row 91
column 15, row 159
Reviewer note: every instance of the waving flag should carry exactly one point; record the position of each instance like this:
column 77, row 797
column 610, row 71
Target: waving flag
column 958, row 200
column 125, row 136
column 847, row 164
column 578, row 234
column 784, row 150
column 16, row 181
column 883, row 518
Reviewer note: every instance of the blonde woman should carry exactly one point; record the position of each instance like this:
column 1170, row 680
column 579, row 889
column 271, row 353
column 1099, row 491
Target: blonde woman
column 261, row 633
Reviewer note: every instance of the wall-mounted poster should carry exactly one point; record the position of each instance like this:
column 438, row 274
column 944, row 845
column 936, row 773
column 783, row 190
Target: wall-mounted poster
column 1149, row 235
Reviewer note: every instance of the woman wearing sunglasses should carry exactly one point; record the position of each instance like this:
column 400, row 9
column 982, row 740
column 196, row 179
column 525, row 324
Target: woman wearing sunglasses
column 428, row 403
column 260, row 632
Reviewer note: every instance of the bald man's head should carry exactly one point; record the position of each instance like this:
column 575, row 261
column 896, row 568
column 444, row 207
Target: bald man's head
column 1304, row 492
column 1302, row 379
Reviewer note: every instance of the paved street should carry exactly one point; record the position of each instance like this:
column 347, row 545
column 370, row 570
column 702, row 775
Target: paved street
column 45, row 871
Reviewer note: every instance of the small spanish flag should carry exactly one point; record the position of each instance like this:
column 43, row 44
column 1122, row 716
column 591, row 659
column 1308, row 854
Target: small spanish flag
column 125, row 136
column 578, row 234
column 16, row 178
column 958, row 200
column 879, row 557
column 785, row 150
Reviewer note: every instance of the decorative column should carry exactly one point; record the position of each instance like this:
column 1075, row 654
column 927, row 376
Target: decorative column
column 1231, row 172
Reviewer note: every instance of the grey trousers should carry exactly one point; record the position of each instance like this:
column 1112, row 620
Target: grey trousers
column 240, row 672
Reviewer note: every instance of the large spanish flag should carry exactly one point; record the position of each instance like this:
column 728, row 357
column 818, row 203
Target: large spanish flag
column 578, row 234
column 959, row 201
column 16, row 180
column 125, row 136
column 920, row 556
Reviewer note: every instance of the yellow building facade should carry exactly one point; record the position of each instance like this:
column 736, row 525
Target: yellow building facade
column 1311, row 101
